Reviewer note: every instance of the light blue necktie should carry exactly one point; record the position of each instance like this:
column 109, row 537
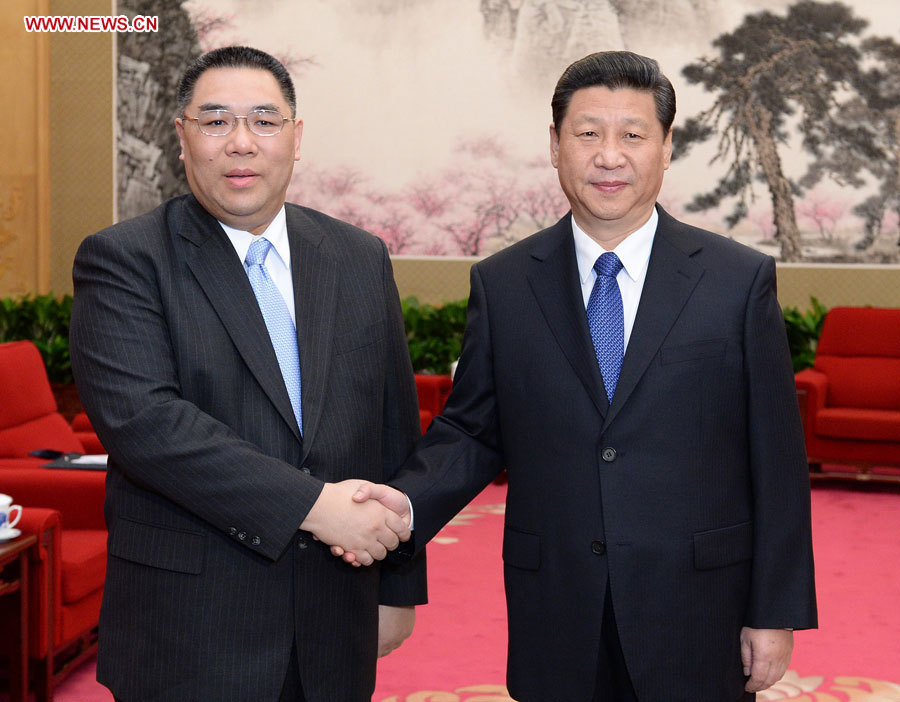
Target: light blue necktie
column 607, row 321
column 278, row 321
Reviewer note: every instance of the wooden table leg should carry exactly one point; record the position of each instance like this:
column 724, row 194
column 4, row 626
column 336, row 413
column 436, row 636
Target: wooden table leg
column 14, row 583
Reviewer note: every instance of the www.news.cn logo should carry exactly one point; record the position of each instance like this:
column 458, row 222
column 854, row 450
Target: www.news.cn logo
column 91, row 23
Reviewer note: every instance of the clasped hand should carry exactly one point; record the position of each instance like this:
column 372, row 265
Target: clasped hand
column 366, row 530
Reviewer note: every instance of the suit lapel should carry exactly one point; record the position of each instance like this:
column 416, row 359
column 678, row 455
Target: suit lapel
column 315, row 276
column 554, row 281
column 221, row 275
column 672, row 276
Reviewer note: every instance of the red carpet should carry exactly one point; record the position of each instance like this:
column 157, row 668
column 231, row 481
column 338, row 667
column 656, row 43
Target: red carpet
column 458, row 650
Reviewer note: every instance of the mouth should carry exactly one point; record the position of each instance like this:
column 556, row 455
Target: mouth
column 241, row 177
column 610, row 186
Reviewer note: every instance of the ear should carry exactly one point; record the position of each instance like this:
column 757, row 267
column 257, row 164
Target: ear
column 298, row 133
column 667, row 150
column 554, row 147
column 179, row 130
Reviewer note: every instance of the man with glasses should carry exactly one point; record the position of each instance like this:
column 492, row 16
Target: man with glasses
column 235, row 353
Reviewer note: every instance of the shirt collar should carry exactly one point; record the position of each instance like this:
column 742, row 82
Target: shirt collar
column 633, row 251
column 276, row 233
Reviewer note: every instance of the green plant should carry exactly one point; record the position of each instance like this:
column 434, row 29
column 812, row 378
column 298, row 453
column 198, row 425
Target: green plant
column 434, row 334
column 803, row 331
column 43, row 319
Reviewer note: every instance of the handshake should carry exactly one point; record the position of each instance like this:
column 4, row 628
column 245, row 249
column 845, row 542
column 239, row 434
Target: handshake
column 361, row 521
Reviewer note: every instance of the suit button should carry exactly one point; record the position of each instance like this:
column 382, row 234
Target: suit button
column 305, row 469
column 255, row 541
column 598, row 547
column 301, row 543
column 232, row 531
column 608, row 454
column 242, row 536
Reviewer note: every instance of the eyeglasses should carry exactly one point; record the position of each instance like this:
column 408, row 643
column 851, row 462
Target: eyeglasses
column 222, row 122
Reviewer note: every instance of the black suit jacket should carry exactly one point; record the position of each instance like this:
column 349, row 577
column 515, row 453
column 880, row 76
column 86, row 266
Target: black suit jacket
column 689, row 495
column 209, row 580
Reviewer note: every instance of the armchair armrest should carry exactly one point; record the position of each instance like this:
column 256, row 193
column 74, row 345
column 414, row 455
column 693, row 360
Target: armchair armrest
column 815, row 384
column 80, row 422
column 78, row 495
column 44, row 581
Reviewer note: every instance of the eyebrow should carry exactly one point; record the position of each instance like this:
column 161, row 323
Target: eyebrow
column 218, row 106
column 636, row 121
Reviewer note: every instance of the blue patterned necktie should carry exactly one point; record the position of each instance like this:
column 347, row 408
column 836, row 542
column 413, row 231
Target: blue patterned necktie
column 607, row 321
column 278, row 321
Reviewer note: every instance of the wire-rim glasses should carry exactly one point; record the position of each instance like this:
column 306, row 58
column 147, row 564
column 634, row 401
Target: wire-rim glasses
column 219, row 123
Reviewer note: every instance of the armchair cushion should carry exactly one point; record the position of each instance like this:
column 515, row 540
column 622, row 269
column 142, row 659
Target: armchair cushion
column 850, row 423
column 83, row 562
column 48, row 432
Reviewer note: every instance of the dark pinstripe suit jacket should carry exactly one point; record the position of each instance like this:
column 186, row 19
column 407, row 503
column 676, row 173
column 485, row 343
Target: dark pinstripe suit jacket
column 208, row 578
column 688, row 495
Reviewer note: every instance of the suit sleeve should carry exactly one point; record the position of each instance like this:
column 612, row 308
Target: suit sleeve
column 403, row 582
column 783, row 587
column 127, row 376
column 460, row 454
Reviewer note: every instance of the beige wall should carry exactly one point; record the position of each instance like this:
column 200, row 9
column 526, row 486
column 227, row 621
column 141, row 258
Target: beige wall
column 24, row 184
column 56, row 186
column 833, row 285
column 435, row 280
column 81, row 137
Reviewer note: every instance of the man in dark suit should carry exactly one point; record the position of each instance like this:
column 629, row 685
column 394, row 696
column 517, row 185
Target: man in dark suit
column 632, row 375
column 236, row 355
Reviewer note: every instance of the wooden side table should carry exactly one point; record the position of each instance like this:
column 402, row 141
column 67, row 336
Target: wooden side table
column 14, row 582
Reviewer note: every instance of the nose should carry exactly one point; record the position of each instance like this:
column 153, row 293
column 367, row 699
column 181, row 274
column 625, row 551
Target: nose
column 241, row 140
column 609, row 154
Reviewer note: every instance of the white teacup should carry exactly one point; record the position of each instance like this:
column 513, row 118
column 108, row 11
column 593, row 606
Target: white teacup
column 6, row 506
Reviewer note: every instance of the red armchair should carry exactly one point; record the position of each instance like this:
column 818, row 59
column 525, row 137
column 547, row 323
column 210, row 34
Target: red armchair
column 28, row 414
column 84, row 430
column 64, row 508
column 850, row 399
column 433, row 391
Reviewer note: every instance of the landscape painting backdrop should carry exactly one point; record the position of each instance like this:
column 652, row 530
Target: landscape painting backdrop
column 426, row 121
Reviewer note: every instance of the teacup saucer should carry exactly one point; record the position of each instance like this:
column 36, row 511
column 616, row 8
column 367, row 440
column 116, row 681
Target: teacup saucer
column 7, row 534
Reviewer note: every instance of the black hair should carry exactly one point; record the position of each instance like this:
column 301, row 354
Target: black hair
column 235, row 57
column 615, row 70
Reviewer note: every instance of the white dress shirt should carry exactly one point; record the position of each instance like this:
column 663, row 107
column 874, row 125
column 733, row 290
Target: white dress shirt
column 278, row 262
column 633, row 252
